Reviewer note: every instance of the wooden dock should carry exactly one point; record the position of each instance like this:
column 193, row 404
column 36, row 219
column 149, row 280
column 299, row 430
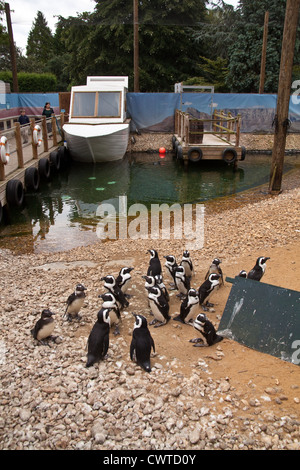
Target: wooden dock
column 208, row 139
column 29, row 159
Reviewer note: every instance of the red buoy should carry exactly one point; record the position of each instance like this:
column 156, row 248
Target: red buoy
column 162, row 150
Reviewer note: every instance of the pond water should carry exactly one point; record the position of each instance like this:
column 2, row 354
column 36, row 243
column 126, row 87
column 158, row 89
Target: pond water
column 63, row 213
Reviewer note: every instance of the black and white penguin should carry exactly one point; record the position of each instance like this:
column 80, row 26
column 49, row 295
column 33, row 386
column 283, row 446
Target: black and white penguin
column 187, row 263
column 207, row 330
column 159, row 306
column 111, row 285
column 110, row 302
column 44, row 327
column 206, row 290
column 154, row 267
column 215, row 268
column 242, row 273
column 141, row 343
column 189, row 307
column 182, row 282
column 98, row 340
column 160, row 283
column 259, row 269
column 75, row 302
column 170, row 265
column 124, row 279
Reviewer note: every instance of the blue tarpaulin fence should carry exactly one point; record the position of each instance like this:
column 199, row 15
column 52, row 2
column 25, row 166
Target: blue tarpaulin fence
column 154, row 112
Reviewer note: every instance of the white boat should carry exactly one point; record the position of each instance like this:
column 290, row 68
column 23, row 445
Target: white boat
column 97, row 130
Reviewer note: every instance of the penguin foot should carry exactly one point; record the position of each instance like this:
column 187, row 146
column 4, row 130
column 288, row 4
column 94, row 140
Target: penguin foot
column 196, row 340
column 208, row 304
column 205, row 308
column 178, row 319
column 160, row 324
column 153, row 321
column 116, row 331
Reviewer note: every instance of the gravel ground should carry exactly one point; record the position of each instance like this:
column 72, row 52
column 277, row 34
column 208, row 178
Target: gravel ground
column 223, row 397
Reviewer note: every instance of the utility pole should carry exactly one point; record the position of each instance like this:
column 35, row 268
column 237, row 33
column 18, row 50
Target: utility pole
column 263, row 54
column 283, row 97
column 136, row 46
column 12, row 50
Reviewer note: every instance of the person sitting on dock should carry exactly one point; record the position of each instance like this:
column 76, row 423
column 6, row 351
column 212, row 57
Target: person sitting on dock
column 24, row 119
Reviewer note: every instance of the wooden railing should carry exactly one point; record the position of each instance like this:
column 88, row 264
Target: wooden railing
column 191, row 130
column 21, row 142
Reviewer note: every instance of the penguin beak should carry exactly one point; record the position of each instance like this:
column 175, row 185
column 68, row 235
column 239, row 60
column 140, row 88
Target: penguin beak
column 134, row 314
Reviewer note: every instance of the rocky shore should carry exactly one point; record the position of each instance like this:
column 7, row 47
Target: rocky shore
column 226, row 397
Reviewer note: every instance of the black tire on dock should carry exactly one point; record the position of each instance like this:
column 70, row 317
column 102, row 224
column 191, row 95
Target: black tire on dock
column 44, row 168
column 64, row 155
column 195, row 154
column 173, row 141
column 179, row 152
column 243, row 155
column 32, row 178
column 229, row 155
column 15, row 193
column 54, row 159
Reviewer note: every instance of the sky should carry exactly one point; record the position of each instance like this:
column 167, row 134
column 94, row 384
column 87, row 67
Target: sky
column 23, row 14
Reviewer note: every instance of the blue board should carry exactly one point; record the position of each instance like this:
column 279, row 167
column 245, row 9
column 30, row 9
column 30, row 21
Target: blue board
column 263, row 317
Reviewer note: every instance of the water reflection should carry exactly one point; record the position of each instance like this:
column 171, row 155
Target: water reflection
column 62, row 214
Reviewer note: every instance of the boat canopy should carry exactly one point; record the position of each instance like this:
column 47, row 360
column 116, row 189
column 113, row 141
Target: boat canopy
column 101, row 100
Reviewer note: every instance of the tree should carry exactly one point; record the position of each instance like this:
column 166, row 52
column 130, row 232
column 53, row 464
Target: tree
column 245, row 52
column 102, row 43
column 40, row 43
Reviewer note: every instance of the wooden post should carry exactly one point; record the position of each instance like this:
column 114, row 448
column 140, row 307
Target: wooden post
column 34, row 146
column 136, row 46
column 12, row 50
column 54, row 131
column 238, row 130
column 263, row 54
column 283, row 97
column 62, row 121
column 2, row 171
column 19, row 145
column 44, row 132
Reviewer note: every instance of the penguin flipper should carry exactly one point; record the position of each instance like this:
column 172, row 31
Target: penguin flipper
column 152, row 344
column 132, row 349
column 90, row 360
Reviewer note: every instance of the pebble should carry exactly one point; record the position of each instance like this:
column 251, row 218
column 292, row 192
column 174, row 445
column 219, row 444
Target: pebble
column 50, row 400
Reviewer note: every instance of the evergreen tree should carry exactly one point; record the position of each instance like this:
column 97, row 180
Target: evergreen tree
column 40, row 43
column 245, row 51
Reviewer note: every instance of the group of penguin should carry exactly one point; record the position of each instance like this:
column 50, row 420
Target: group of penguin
column 116, row 299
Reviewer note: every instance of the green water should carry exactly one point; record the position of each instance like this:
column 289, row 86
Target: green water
column 62, row 214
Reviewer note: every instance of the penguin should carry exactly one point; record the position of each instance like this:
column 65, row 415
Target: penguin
column 170, row 265
column 75, row 302
column 189, row 307
column 216, row 269
column 207, row 288
column 124, row 280
column 242, row 273
column 98, row 340
column 149, row 281
column 159, row 306
column 111, row 285
column 182, row 282
column 141, row 343
column 259, row 269
column 160, row 283
column 44, row 327
column 207, row 330
column 110, row 302
column 187, row 263
column 154, row 267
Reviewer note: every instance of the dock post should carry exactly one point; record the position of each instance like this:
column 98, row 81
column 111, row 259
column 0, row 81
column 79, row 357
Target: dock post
column 2, row 171
column 34, row 146
column 45, row 135
column 54, row 130
column 19, row 145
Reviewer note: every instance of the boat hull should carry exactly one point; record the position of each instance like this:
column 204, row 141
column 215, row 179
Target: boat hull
column 96, row 143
